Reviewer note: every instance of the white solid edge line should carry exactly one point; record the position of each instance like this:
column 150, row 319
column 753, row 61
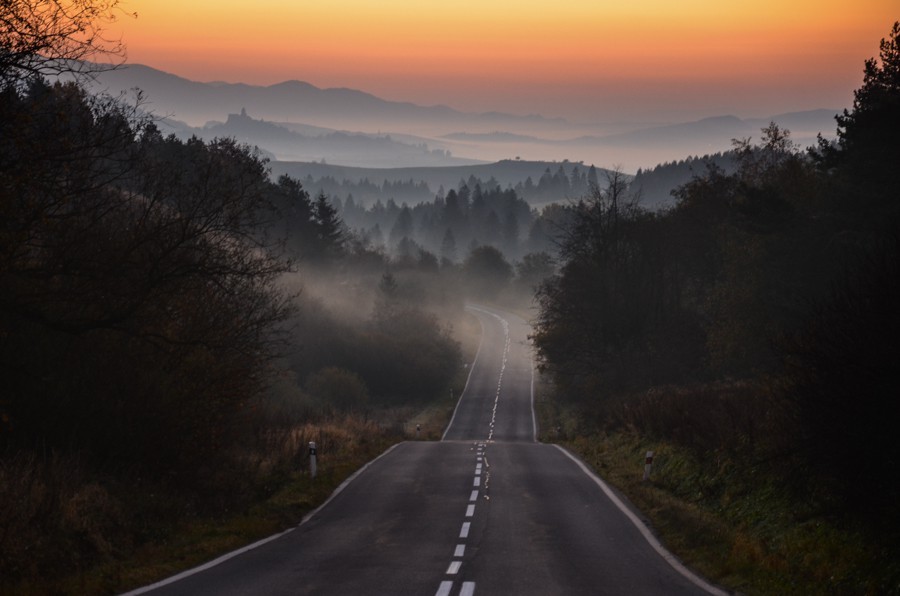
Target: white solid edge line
column 249, row 547
column 468, row 378
column 644, row 530
column 205, row 566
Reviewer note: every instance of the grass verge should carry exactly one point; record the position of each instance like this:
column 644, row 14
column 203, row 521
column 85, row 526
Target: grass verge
column 739, row 524
column 196, row 539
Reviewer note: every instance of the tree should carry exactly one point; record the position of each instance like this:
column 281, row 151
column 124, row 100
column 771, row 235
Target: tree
column 841, row 374
column 867, row 134
column 611, row 319
column 487, row 272
column 448, row 248
column 296, row 214
column 49, row 37
column 533, row 269
column 137, row 285
column 510, row 232
column 338, row 389
column 756, row 161
column 402, row 228
column 329, row 227
column 454, row 215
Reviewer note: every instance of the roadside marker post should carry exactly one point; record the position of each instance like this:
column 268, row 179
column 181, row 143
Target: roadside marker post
column 312, row 459
column 418, row 428
column 648, row 464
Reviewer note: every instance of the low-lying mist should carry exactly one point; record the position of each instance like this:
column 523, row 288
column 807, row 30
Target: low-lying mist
column 296, row 121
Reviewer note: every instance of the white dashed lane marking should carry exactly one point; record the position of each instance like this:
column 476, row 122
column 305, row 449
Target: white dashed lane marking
column 446, row 587
column 464, row 531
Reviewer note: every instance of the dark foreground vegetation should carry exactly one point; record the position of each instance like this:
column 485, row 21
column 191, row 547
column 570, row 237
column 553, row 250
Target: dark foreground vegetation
column 175, row 327
column 749, row 335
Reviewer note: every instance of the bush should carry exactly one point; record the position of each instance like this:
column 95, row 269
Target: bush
column 54, row 518
column 842, row 382
column 736, row 417
column 338, row 389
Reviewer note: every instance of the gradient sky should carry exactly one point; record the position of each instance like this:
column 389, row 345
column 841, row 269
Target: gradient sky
column 590, row 60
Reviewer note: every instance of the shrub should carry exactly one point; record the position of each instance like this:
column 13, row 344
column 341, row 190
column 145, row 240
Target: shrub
column 338, row 389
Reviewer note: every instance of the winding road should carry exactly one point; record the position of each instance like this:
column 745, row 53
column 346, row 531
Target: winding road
column 487, row 510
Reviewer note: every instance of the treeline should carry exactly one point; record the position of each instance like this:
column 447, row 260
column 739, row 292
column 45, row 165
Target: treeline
column 552, row 185
column 654, row 185
column 756, row 318
column 558, row 186
column 451, row 225
column 367, row 192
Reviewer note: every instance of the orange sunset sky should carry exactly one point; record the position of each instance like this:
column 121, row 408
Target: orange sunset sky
column 583, row 60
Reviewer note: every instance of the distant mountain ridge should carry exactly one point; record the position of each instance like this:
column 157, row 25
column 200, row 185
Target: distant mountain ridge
column 647, row 147
column 351, row 127
column 316, row 144
column 722, row 128
column 505, row 173
column 196, row 103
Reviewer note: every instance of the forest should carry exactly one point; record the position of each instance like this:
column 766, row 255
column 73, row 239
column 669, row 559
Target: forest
column 553, row 185
column 753, row 325
column 175, row 325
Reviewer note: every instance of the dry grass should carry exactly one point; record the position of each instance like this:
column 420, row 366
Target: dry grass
column 65, row 530
column 727, row 512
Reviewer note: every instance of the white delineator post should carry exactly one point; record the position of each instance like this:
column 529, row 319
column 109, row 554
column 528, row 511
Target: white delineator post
column 312, row 459
column 648, row 464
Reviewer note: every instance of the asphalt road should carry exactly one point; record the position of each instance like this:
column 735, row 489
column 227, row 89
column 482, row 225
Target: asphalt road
column 485, row 511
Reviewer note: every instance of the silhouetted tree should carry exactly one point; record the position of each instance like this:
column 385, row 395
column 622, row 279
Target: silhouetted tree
column 137, row 286
column 841, row 373
column 487, row 271
column 448, row 247
column 403, row 227
column 534, row 269
column 329, row 227
column 867, row 133
column 40, row 38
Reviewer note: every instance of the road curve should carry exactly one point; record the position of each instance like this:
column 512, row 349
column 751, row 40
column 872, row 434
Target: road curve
column 487, row 510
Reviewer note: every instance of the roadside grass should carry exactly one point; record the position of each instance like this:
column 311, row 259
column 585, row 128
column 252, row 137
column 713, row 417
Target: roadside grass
column 141, row 534
column 741, row 523
column 285, row 497
column 205, row 539
column 166, row 534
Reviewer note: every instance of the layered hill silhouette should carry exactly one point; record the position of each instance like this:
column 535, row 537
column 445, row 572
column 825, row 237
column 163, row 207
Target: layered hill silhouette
column 295, row 101
column 297, row 121
column 304, row 143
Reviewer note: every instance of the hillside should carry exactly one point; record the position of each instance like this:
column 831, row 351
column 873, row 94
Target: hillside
column 339, row 180
column 488, row 137
column 297, row 101
column 317, row 144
